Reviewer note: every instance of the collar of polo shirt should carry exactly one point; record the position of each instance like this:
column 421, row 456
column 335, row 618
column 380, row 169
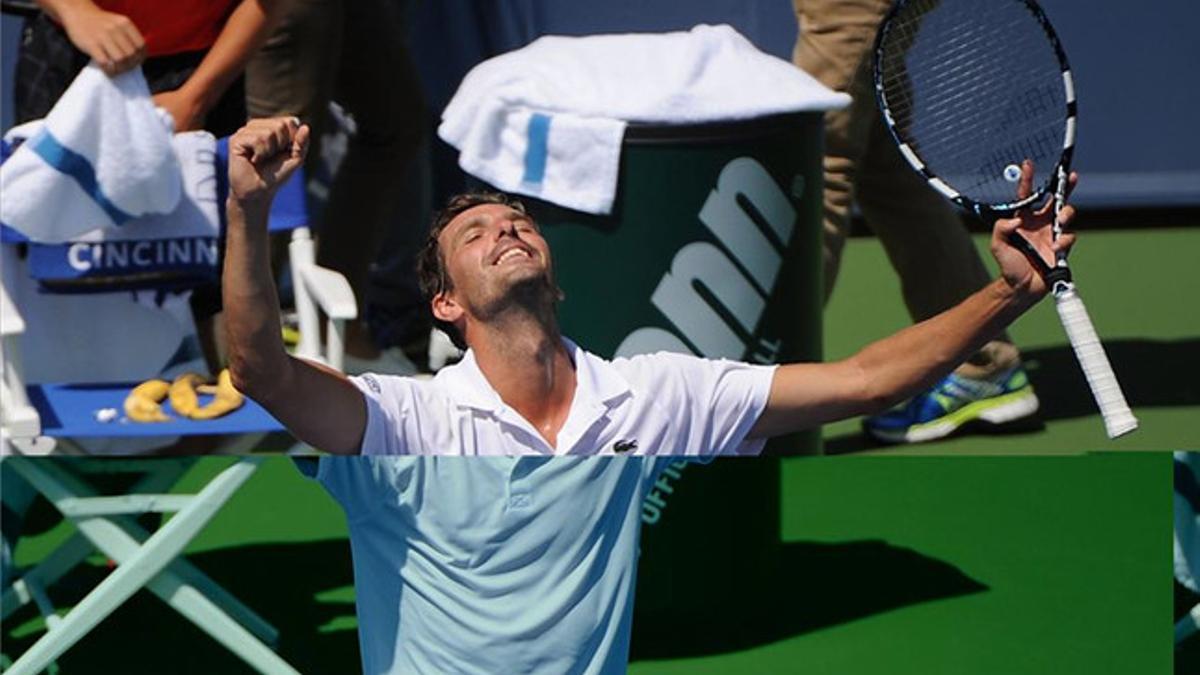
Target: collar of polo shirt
column 596, row 382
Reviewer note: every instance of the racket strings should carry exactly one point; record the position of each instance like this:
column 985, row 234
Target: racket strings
column 949, row 146
column 955, row 95
column 950, row 60
column 965, row 80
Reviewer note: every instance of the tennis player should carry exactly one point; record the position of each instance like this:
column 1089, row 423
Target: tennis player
column 511, row 563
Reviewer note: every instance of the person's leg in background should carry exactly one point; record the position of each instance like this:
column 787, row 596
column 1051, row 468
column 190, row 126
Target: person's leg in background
column 923, row 236
column 926, row 242
column 355, row 54
column 378, row 84
column 397, row 315
column 833, row 37
column 293, row 74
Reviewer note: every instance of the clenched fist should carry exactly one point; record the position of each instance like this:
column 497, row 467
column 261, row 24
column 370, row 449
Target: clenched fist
column 262, row 156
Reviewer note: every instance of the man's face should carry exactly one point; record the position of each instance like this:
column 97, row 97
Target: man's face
column 493, row 253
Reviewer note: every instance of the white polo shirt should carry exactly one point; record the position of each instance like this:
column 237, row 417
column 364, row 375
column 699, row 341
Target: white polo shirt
column 493, row 564
column 519, row 561
column 654, row 404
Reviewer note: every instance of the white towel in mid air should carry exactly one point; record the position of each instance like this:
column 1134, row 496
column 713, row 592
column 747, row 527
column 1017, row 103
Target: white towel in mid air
column 548, row 120
column 102, row 157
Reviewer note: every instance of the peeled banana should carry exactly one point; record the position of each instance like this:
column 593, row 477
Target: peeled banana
column 184, row 400
column 142, row 404
column 226, row 399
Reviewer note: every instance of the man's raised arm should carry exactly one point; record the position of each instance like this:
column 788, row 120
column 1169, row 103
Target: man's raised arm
column 805, row 395
column 317, row 404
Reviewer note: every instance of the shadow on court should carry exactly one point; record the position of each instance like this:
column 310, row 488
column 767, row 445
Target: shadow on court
column 811, row 586
column 279, row 581
column 715, row 577
column 1153, row 373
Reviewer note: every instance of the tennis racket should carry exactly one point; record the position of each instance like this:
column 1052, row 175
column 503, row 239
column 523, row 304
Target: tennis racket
column 971, row 88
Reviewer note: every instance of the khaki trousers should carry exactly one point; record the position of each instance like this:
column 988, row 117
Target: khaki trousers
column 923, row 236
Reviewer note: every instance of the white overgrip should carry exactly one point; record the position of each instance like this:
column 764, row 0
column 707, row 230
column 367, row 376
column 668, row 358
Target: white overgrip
column 1118, row 418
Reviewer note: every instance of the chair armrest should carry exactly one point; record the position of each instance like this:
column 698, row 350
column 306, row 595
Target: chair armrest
column 330, row 290
column 18, row 419
column 11, row 322
column 324, row 289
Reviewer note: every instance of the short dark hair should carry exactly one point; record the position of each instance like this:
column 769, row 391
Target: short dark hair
column 431, row 265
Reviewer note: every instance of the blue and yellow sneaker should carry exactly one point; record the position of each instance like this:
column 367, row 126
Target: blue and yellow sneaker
column 953, row 402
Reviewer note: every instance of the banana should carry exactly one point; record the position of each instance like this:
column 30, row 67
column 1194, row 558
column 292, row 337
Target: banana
column 226, row 400
column 142, row 404
column 183, row 394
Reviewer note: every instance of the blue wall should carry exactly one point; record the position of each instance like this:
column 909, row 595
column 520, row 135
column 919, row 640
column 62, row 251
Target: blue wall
column 1135, row 67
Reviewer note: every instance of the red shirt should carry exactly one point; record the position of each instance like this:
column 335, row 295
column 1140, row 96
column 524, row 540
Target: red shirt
column 176, row 25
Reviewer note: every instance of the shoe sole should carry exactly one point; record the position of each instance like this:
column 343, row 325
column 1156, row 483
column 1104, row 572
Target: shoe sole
column 993, row 411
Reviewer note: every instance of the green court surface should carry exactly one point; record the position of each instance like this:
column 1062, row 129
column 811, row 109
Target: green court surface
column 1137, row 284
column 893, row 565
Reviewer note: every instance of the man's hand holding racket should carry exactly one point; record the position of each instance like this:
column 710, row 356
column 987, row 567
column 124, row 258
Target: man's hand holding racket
column 1024, row 262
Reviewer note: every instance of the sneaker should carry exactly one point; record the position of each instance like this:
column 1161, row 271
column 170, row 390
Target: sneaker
column 953, row 402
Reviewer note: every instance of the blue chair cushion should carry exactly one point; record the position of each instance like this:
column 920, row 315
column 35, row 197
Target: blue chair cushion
column 69, row 411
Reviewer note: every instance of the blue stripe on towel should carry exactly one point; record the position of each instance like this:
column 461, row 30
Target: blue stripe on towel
column 535, row 153
column 76, row 166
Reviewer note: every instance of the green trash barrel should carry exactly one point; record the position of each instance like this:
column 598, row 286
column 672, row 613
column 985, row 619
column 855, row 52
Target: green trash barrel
column 712, row 248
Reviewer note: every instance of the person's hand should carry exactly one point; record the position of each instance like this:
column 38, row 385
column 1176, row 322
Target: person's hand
column 109, row 38
column 184, row 108
column 1036, row 227
column 262, row 156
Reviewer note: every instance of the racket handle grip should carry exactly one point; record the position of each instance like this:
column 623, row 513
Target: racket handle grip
column 1118, row 418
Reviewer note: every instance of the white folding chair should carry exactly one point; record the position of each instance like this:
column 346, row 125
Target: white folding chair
column 144, row 560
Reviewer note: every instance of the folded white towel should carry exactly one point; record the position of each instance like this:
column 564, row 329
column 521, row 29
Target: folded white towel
column 547, row 120
column 102, row 157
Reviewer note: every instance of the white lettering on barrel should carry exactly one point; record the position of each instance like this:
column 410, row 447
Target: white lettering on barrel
column 737, row 231
column 677, row 298
column 740, row 295
column 654, row 502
